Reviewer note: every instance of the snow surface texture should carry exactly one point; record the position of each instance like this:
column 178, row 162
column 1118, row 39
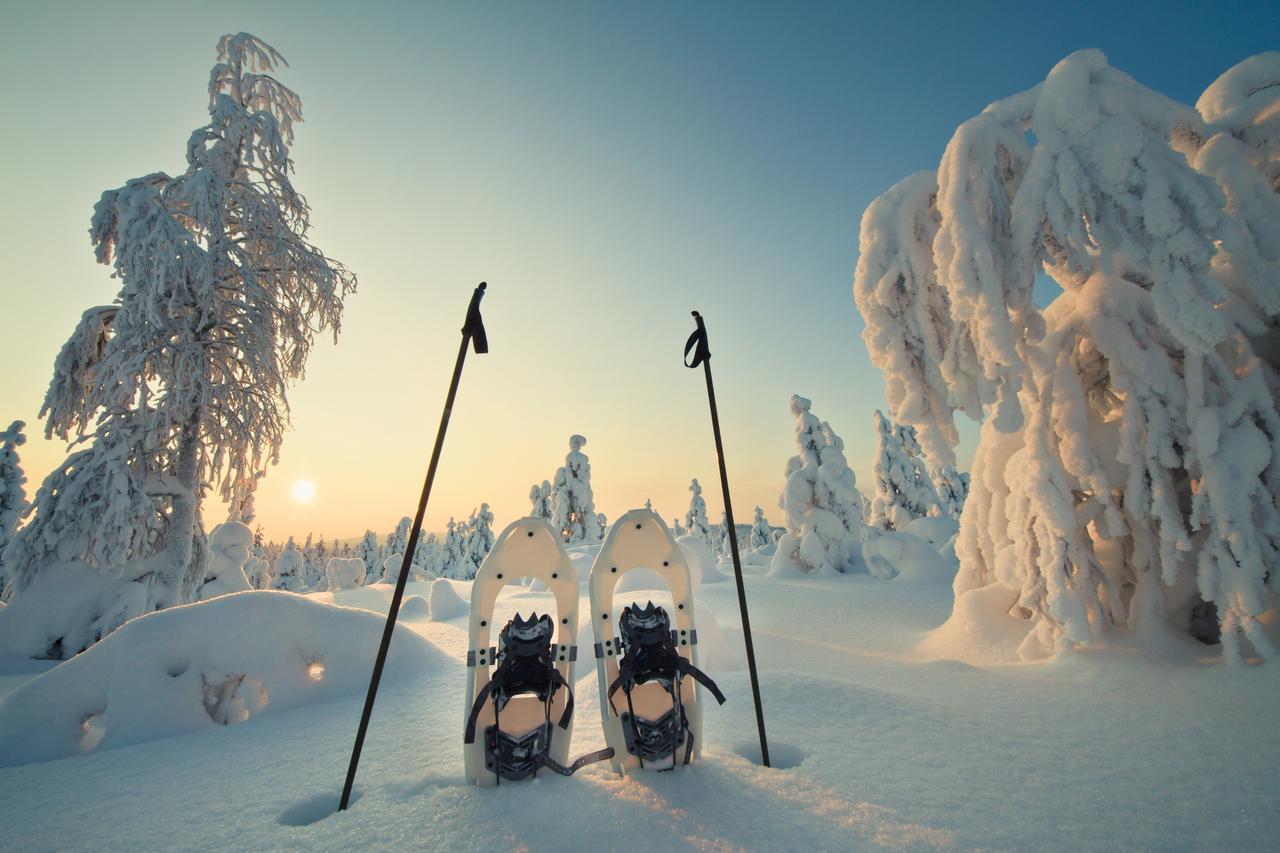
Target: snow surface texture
column 914, row 764
column 202, row 666
column 822, row 504
column 1129, row 459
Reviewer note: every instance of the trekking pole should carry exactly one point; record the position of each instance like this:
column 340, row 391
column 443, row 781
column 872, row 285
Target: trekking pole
column 473, row 333
column 702, row 355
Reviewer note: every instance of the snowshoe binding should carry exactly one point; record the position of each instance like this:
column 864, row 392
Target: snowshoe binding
column 659, row 711
column 519, row 702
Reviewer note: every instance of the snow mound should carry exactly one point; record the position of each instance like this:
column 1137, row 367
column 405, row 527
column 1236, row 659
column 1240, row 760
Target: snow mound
column 907, row 558
column 699, row 557
column 715, row 653
column 230, row 547
column 980, row 630
column 415, row 608
column 196, row 667
column 67, row 608
column 936, row 530
column 446, row 604
column 344, row 573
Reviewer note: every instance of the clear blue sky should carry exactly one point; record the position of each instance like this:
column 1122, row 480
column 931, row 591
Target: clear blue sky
column 605, row 167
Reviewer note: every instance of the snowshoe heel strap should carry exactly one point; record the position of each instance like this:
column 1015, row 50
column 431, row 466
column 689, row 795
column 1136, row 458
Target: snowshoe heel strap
column 590, row 758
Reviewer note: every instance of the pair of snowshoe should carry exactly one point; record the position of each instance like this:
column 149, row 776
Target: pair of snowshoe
column 519, row 697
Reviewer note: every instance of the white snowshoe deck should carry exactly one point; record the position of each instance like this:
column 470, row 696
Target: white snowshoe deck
column 530, row 548
column 641, row 539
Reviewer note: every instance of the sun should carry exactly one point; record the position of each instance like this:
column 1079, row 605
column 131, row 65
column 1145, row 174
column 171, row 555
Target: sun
column 304, row 491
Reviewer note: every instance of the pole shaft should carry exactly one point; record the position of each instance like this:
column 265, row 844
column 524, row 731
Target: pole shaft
column 409, row 549
column 737, row 563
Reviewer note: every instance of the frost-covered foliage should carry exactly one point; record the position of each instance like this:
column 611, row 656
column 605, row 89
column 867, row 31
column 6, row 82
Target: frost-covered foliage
column 289, row 569
column 904, row 491
column 1129, row 464
column 695, row 518
column 540, row 498
column 367, row 551
column 453, row 561
column 952, row 488
column 761, row 531
column 13, row 497
column 573, row 510
column 478, row 542
column 181, row 382
column 822, row 505
column 230, row 547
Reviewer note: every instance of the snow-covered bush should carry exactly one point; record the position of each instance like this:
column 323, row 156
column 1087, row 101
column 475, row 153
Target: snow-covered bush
column 289, row 568
column 821, row 502
column 903, row 490
column 13, row 498
column 181, row 381
column 695, row 519
column 1129, row 462
column 192, row 668
column 230, row 547
column 344, row 573
column 573, row 510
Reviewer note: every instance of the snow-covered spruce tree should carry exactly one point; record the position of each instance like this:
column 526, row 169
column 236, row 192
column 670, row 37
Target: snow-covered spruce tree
column 479, row 539
column 424, row 554
column 821, row 502
column 573, row 510
column 540, row 498
column 398, row 539
column 181, row 382
column 677, row 529
column 953, row 488
column 904, row 491
column 1129, row 463
column 368, row 551
column 453, row 560
column 289, row 569
column 722, row 549
column 761, row 532
column 13, row 497
column 695, row 519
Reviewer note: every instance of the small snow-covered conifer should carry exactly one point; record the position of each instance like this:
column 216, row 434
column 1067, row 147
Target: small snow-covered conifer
column 821, row 502
column 761, row 532
column 13, row 498
column 904, row 491
column 696, row 517
column 289, row 569
column 367, row 550
column 540, row 498
column 573, row 510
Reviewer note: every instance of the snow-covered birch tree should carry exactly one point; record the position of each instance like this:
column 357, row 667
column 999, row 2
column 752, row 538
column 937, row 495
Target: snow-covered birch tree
column 1128, row 467
column 180, row 384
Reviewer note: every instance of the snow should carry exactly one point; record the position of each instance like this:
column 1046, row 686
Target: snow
column 907, row 558
column 445, row 601
column 880, row 742
column 202, row 666
column 230, row 547
column 344, row 573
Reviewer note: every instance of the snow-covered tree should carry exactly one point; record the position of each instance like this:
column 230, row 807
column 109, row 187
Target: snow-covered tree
column 695, row 519
column 230, row 549
column 181, row 381
column 953, row 488
column 821, row 502
column 425, row 554
column 602, row 521
column 903, row 489
column 1129, row 459
column 398, row 539
column 289, row 569
column 677, row 529
column 573, row 510
column 13, row 497
column 723, row 548
column 453, row 561
column 540, row 498
column 761, row 532
column 478, row 540
column 368, row 551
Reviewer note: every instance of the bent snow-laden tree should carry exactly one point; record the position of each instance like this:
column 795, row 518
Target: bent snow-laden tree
column 180, row 383
column 1128, row 468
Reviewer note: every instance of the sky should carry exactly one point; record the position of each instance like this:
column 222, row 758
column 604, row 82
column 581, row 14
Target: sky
column 605, row 167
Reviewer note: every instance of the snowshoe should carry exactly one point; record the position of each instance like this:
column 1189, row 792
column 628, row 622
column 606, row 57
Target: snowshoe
column 519, row 697
column 652, row 713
